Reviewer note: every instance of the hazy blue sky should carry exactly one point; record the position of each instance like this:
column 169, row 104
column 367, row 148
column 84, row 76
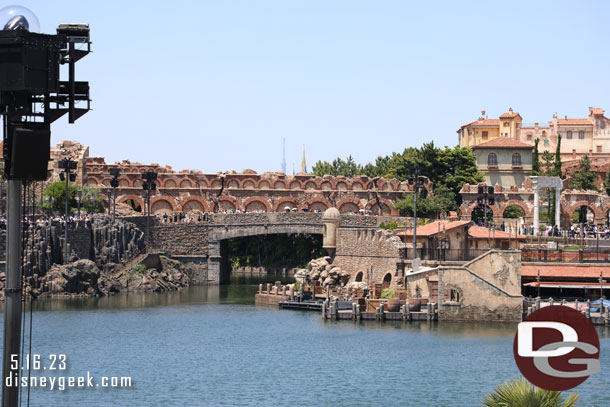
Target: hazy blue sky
column 216, row 85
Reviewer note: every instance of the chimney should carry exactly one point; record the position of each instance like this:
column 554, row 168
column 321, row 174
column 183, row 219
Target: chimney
column 483, row 115
column 536, row 125
column 510, row 109
column 566, row 117
column 555, row 115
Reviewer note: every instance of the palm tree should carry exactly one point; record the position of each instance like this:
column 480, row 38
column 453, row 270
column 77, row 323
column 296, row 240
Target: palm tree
column 520, row 393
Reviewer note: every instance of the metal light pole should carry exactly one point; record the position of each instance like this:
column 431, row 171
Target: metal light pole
column 68, row 166
column 109, row 195
column 80, row 198
column 114, row 183
column 601, row 290
column 486, row 197
column 416, row 180
column 538, row 280
column 148, row 185
column 32, row 96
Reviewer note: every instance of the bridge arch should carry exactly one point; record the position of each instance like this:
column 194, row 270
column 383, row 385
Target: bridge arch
column 315, row 204
column 348, row 204
column 163, row 204
column 256, row 203
column 132, row 200
column 279, row 204
column 387, row 207
column 194, row 204
column 227, row 203
column 521, row 204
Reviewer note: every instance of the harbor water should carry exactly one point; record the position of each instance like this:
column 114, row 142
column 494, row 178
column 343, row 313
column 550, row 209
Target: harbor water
column 211, row 346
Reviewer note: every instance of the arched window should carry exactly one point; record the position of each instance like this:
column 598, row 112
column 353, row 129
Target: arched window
column 492, row 159
column 517, row 159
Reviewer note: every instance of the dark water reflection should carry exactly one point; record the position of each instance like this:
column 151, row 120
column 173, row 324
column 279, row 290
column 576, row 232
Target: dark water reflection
column 210, row 346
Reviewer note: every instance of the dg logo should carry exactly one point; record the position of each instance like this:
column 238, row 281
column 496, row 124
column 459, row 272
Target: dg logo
column 556, row 348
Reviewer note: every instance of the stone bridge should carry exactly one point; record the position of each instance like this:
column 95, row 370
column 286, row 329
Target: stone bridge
column 200, row 244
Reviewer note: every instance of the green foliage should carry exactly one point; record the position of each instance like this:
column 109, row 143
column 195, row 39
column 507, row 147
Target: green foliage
column 448, row 167
column 535, row 159
column 607, row 183
column 390, row 226
column 57, row 191
column 274, row 250
column 92, row 201
column 297, row 286
column 388, row 293
column 520, row 393
column 513, row 212
column 584, row 179
column 139, row 268
column 432, row 206
column 548, row 161
column 557, row 169
column 347, row 168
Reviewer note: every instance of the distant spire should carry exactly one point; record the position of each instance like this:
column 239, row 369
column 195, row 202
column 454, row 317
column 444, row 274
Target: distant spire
column 304, row 162
column 293, row 169
column 284, row 156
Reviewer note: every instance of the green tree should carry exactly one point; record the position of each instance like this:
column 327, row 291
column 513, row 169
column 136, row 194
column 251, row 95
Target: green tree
column 607, row 183
column 535, row 159
column 431, row 206
column 557, row 167
column 92, row 201
column 584, row 179
column 513, row 212
column 57, row 191
column 520, row 393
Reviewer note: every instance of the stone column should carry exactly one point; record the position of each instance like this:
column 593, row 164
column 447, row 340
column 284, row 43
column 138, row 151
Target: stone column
column 536, row 209
column 557, row 208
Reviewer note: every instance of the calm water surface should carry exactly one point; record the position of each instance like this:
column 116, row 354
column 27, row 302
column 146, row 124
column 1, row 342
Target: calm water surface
column 210, row 346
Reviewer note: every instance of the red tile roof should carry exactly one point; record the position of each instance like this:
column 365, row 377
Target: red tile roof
column 479, row 232
column 483, row 123
column 509, row 115
column 596, row 110
column 574, row 122
column 558, row 270
column 433, row 228
column 503, row 142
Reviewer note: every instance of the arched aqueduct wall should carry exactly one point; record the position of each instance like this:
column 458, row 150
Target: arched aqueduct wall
column 193, row 191
column 524, row 197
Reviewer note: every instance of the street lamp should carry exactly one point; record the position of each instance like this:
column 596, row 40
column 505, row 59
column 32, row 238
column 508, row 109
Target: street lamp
column 486, row 196
column 67, row 166
column 114, row 183
column 109, row 194
column 32, row 96
column 79, row 194
column 417, row 181
column 148, row 185
column 601, row 288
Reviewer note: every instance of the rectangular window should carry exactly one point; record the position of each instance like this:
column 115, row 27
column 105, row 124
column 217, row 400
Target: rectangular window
column 569, row 135
column 581, row 135
column 546, row 143
column 529, row 137
column 599, row 149
column 506, row 124
column 485, row 135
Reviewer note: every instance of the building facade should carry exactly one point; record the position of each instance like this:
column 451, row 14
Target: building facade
column 589, row 135
column 504, row 161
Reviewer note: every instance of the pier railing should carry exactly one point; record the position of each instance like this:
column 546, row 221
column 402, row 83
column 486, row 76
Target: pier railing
column 587, row 255
column 439, row 254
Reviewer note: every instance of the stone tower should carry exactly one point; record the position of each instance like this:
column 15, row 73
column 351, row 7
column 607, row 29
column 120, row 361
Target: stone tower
column 331, row 220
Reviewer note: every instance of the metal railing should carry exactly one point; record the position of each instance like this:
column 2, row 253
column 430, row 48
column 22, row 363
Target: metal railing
column 587, row 255
column 446, row 254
